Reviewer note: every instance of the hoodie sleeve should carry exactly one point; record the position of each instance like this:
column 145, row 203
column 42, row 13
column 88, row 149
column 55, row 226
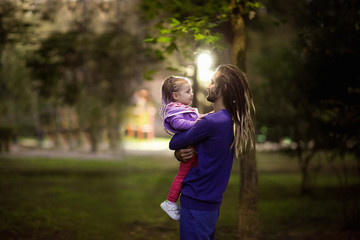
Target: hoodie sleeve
column 194, row 135
column 180, row 123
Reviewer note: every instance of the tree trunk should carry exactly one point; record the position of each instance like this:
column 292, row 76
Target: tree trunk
column 248, row 199
column 305, row 155
column 93, row 133
column 195, row 88
column 239, row 35
column 305, row 180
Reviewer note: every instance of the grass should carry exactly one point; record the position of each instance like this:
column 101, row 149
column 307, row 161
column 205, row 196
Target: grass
column 95, row 199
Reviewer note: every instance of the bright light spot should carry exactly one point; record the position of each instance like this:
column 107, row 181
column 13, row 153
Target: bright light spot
column 204, row 60
column 204, row 64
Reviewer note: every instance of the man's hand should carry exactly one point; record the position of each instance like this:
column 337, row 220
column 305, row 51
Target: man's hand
column 184, row 155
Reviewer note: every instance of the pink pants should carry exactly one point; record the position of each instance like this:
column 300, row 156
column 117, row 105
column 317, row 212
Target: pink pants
column 175, row 187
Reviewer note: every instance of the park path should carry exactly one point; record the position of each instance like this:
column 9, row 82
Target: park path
column 131, row 148
column 158, row 147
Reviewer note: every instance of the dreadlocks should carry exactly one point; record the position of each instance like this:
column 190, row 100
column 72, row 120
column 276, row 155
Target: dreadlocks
column 238, row 100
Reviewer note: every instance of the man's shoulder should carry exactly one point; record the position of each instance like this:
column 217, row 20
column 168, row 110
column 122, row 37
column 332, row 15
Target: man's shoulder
column 216, row 120
column 220, row 116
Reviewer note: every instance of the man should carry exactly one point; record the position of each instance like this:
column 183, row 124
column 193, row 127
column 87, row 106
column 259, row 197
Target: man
column 218, row 137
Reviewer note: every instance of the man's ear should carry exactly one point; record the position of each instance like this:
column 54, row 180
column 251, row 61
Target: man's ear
column 222, row 90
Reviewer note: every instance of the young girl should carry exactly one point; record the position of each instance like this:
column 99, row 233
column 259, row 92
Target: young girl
column 178, row 116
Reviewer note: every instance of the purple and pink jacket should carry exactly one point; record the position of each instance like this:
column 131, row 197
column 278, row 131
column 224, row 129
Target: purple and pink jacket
column 179, row 117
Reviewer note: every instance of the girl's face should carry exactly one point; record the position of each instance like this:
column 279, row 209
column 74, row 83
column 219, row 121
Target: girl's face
column 184, row 95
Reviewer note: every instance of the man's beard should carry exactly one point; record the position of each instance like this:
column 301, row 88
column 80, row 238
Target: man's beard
column 212, row 97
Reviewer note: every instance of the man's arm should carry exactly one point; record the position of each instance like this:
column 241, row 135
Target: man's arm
column 185, row 154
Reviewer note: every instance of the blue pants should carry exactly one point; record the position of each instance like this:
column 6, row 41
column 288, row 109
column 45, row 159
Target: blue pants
column 197, row 225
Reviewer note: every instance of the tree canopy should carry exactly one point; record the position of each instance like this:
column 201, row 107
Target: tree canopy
column 309, row 90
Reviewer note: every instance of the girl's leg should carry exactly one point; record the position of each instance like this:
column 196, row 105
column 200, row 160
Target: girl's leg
column 176, row 184
column 170, row 206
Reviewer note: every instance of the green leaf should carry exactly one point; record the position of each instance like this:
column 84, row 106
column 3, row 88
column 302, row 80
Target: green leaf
column 174, row 22
column 159, row 54
column 212, row 25
column 150, row 40
column 172, row 46
column 164, row 39
column 184, row 30
column 148, row 75
column 173, row 69
column 165, row 31
column 196, row 30
column 198, row 36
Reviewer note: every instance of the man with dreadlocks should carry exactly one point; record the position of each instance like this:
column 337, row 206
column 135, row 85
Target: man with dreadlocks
column 218, row 137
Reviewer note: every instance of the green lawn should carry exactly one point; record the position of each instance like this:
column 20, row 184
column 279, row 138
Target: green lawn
column 97, row 199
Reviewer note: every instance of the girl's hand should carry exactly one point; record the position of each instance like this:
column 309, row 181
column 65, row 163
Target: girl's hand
column 203, row 115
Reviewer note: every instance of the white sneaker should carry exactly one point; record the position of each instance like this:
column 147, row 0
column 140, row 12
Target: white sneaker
column 172, row 210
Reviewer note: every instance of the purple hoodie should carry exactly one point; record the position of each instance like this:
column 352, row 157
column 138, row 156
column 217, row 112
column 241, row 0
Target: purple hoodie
column 204, row 185
column 179, row 117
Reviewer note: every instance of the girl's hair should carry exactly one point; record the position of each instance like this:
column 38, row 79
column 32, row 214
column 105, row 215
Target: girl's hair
column 238, row 100
column 170, row 85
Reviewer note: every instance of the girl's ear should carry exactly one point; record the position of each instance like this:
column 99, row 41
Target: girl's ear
column 174, row 96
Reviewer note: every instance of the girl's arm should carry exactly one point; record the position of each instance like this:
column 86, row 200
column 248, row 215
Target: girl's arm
column 192, row 136
column 179, row 123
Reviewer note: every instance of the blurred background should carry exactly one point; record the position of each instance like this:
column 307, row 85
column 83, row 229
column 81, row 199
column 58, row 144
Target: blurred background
column 83, row 78
column 82, row 75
